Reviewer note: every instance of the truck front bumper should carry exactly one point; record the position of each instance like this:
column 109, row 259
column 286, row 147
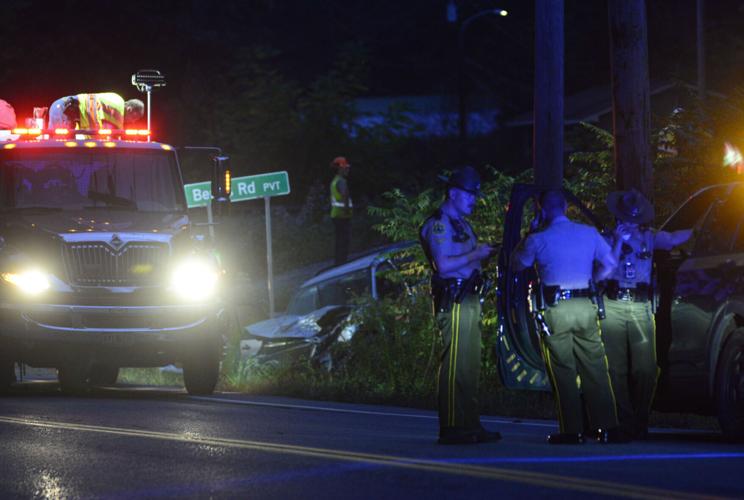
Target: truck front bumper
column 55, row 334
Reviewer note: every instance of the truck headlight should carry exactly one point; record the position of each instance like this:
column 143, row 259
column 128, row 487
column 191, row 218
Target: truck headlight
column 31, row 282
column 195, row 279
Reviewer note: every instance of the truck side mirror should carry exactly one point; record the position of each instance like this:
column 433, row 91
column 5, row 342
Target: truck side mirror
column 221, row 178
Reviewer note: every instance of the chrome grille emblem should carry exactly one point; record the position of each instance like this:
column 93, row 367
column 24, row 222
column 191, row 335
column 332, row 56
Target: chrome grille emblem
column 116, row 242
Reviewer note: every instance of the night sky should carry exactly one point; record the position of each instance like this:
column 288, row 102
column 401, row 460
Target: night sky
column 57, row 47
column 62, row 47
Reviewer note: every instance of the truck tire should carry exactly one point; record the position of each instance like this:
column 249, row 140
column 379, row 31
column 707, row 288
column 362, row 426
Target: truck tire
column 201, row 371
column 103, row 374
column 73, row 379
column 730, row 387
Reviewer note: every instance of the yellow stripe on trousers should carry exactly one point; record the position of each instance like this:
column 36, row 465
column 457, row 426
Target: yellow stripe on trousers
column 607, row 369
column 658, row 370
column 454, row 347
column 554, row 383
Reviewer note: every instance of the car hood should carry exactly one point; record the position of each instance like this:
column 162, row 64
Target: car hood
column 291, row 325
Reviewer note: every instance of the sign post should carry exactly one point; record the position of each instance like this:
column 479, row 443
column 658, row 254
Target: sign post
column 247, row 188
column 199, row 194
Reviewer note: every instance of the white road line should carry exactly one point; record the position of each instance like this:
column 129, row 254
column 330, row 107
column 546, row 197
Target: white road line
column 357, row 412
column 490, row 420
column 534, row 479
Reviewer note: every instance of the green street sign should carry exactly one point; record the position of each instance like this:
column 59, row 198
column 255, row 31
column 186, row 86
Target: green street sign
column 259, row 186
column 198, row 194
column 245, row 188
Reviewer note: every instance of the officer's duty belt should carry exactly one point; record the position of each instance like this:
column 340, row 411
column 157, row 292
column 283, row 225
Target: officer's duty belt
column 448, row 291
column 640, row 293
column 553, row 294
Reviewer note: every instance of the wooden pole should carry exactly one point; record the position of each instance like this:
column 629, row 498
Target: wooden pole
column 631, row 96
column 548, row 120
column 701, row 48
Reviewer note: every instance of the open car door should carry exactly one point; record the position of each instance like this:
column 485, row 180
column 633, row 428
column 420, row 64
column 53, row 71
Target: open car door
column 520, row 362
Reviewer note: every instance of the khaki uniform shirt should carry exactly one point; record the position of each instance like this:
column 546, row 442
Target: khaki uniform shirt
column 634, row 264
column 449, row 236
column 565, row 252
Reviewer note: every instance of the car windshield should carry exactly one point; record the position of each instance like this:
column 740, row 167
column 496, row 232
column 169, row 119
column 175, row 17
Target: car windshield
column 74, row 179
column 338, row 291
column 689, row 214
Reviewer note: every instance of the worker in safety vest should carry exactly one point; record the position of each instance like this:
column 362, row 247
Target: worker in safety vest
column 94, row 111
column 341, row 208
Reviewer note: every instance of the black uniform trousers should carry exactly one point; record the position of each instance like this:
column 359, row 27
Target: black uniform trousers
column 342, row 229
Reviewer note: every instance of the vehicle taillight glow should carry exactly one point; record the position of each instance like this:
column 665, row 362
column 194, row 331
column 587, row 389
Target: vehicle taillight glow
column 131, row 131
column 27, row 131
column 9, row 146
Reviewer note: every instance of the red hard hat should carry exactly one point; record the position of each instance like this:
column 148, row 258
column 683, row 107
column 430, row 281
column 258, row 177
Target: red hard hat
column 340, row 162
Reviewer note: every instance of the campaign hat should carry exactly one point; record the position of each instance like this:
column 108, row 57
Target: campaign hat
column 466, row 178
column 630, row 206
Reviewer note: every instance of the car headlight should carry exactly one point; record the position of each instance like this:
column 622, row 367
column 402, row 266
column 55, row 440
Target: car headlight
column 195, row 279
column 31, row 282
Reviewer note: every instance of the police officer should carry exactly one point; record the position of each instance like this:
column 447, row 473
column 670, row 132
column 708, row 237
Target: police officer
column 455, row 256
column 341, row 209
column 629, row 331
column 565, row 253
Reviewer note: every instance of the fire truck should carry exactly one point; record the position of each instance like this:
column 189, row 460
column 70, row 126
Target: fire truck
column 101, row 265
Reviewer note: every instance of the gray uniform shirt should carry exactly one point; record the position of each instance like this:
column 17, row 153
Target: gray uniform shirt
column 565, row 252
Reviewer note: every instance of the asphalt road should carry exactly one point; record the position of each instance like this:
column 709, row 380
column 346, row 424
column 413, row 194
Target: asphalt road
column 129, row 442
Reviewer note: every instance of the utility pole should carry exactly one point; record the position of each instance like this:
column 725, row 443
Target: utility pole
column 631, row 114
column 701, row 49
column 548, row 120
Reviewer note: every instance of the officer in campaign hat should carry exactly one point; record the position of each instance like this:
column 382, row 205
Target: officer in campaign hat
column 565, row 253
column 628, row 331
column 455, row 256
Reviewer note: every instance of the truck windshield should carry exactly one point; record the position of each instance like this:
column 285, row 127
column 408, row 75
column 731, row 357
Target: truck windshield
column 67, row 179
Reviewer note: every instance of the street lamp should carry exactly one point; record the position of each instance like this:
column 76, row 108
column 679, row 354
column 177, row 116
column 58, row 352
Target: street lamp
column 461, row 91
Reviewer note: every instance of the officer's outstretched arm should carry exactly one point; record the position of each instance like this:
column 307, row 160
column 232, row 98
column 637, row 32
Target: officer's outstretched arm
column 665, row 240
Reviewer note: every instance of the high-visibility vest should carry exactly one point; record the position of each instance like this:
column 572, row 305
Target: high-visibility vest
column 104, row 110
column 338, row 209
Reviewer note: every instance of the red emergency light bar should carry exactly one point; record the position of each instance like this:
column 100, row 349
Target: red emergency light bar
column 35, row 133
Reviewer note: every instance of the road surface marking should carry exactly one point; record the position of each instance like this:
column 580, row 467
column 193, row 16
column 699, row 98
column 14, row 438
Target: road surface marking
column 358, row 412
column 517, row 476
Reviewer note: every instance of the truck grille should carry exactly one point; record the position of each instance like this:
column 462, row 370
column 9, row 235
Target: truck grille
column 98, row 264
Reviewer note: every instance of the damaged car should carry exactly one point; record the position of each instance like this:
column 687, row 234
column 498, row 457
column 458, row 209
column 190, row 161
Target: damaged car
column 319, row 311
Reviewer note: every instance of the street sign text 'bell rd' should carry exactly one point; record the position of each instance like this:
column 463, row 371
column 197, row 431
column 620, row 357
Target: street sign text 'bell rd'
column 245, row 188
